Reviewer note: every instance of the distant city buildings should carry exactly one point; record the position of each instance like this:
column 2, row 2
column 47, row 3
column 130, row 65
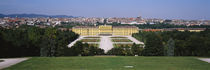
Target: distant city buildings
column 43, row 22
column 172, row 29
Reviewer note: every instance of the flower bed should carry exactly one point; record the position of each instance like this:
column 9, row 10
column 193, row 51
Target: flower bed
column 121, row 40
column 120, row 45
column 118, row 37
column 90, row 40
column 92, row 37
column 126, row 45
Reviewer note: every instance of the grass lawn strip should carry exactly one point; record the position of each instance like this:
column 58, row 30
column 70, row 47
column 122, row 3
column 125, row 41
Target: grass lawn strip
column 121, row 40
column 112, row 63
column 120, row 45
column 92, row 37
column 118, row 37
column 90, row 40
column 124, row 45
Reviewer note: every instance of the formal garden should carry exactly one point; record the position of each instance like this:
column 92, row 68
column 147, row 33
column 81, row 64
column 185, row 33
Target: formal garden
column 121, row 45
column 127, row 45
column 92, row 37
column 121, row 40
column 118, row 37
column 90, row 40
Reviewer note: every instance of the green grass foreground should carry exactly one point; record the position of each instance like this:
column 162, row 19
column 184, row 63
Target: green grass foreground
column 112, row 63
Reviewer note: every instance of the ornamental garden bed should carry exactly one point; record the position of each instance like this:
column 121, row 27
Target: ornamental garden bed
column 118, row 37
column 121, row 40
column 90, row 40
column 126, row 45
column 92, row 37
column 122, row 45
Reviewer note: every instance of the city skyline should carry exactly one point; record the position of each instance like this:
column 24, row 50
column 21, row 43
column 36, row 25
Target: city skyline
column 165, row 9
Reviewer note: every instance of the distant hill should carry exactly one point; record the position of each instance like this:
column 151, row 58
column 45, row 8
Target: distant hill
column 35, row 16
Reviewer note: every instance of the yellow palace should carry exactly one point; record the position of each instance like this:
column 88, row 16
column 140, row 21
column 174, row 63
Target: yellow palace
column 105, row 30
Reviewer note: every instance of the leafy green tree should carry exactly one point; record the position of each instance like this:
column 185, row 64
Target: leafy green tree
column 170, row 46
column 136, row 49
column 85, row 50
column 48, row 47
column 154, row 46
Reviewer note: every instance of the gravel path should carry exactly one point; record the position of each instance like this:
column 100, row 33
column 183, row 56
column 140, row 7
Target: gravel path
column 106, row 43
column 134, row 40
column 72, row 43
column 11, row 61
column 205, row 59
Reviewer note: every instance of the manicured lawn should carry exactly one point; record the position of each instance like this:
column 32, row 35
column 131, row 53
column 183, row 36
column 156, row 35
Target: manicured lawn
column 90, row 40
column 112, row 63
column 91, row 37
column 119, row 37
column 121, row 40
column 129, row 45
column 119, row 45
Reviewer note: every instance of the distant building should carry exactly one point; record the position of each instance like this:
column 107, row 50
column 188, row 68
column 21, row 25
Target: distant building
column 131, row 23
column 105, row 30
column 172, row 29
column 191, row 29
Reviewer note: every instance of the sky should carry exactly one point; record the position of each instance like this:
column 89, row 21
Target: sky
column 165, row 9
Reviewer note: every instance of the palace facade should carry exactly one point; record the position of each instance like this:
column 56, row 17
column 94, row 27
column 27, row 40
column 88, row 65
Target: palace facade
column 105, row 30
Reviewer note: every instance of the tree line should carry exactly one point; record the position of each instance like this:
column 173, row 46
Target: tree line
column 33, row 41
column 175, row 43
column 51, row 42
column 126, row 50
column 84, row 49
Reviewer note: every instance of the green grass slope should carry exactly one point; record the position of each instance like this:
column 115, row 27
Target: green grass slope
column 112, row 63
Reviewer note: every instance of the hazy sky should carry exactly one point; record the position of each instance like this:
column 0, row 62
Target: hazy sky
column 168, row 9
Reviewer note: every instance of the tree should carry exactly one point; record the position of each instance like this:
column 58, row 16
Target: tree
column 48, row 48
column 136, row 49
column 154, row 46
column 33, row 41
column 170, row 46
column 85, row 50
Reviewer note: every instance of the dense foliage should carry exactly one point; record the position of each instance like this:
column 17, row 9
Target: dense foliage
column 154, row 46
column 176, row 43
column 126, row 50
column 85, row 50
column 34, row 41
